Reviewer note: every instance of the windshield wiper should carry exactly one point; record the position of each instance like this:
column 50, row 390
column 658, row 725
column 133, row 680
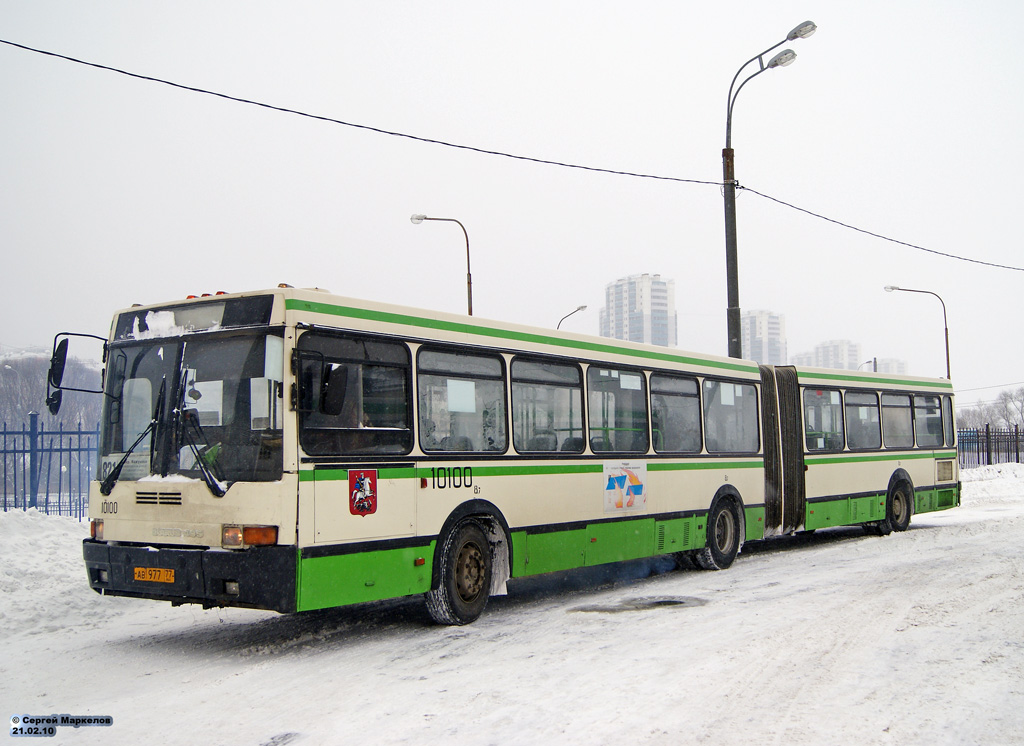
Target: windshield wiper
column 183, row 418
column 111, row 479
column 206, row 468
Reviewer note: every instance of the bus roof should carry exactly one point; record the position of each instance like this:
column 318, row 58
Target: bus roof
column 318, row 307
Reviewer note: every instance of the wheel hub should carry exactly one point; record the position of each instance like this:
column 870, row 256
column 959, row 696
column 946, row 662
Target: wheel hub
column 469, row 572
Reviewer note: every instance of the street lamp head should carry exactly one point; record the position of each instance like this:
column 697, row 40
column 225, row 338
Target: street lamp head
column 417, row 219
column 890, row 288
column 802, row 31
column 581, row 308
column 782, row 59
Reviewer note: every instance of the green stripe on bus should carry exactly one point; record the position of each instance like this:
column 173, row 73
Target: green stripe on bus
column 516, row 470
column 387, row 317
column 867, row 379
column 326, row 475
column 691, row 465
column 818, row 460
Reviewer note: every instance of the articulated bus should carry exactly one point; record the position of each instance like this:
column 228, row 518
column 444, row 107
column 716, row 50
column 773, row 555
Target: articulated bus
column 292, row 450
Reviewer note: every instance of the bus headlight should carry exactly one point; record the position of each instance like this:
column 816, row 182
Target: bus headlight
column 96, row 530
column 239, row 537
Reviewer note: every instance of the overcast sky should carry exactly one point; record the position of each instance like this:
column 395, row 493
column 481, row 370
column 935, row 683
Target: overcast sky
column 900, row 117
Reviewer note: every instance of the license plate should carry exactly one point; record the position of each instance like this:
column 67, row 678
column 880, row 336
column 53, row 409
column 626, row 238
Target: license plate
column 155, row 574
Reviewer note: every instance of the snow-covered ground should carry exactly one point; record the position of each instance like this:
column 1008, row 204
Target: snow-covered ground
column 834, row 638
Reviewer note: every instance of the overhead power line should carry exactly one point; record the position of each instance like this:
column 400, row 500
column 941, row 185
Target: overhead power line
column 486, row 151
column 997, row 386
column 878, row 235
column 369, row 128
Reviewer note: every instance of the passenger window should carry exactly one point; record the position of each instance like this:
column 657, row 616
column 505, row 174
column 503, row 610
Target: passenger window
column 617, row 407
column 675, row 414
column 461, row 402
column 547, row 407
column 897, row 427
column 354, row 396
column 823, row 420
column 928, row 421
column 948, row 424
column 730, row 417
column 863, row 427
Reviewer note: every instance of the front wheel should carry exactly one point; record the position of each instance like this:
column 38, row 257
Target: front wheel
column 465, row 582
column 723, row 540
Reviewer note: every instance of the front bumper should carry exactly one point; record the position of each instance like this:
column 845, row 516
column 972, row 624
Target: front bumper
column 256, row 578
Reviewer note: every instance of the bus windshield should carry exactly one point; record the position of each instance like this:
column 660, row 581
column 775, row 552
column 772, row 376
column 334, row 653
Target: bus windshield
column 198, row 405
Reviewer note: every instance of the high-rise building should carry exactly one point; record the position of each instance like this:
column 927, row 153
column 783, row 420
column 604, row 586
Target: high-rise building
column 763, row 335
column 892, row 365
column 640, row 308
column 836, row 353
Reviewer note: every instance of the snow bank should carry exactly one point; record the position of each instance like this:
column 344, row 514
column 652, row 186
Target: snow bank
column 42, row 576
column 993, row 485
column 996, row 471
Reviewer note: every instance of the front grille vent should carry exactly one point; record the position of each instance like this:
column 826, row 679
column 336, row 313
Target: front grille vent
column 158, row 498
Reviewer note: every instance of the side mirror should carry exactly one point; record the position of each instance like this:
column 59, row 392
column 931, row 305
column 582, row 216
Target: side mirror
column 58, row 361
column 53, row 401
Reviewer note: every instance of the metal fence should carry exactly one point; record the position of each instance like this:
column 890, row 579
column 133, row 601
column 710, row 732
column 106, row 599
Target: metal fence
column 48, row 469
column 982, row 446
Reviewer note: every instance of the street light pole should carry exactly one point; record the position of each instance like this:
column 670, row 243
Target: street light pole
column 575, row 310
column 945, row 323
column 417, row 219
column 783, row 58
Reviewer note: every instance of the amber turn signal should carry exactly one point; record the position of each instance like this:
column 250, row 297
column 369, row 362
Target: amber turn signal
column 259, row 535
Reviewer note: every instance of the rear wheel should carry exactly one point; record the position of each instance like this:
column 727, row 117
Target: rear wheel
column 465, row 580
column 723, row 541
column 900, row 507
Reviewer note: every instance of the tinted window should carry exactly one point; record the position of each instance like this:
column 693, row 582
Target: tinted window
column 947, row 421
column 617, row 406
column 897, row 427
column 863, row 426
column 730, row 417
column 547, row 406
column 354, row 395
column 461, row 402
column 928, row 421
column 823, row 420
column 675, row 414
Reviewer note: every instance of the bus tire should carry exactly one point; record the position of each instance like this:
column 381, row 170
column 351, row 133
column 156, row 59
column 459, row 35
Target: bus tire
column 723, row 539
column 899, row 507
column 465, row 576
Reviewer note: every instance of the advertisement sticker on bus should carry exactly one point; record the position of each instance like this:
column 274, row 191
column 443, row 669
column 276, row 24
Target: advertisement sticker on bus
column 625, row 486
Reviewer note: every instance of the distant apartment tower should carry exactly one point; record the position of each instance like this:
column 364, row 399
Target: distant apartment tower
column 640, row 308
column 837, row 353
column 891, row 365
column 763, row 335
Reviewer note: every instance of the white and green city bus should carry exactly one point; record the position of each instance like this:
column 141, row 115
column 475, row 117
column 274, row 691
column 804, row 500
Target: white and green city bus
column 292, row 450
